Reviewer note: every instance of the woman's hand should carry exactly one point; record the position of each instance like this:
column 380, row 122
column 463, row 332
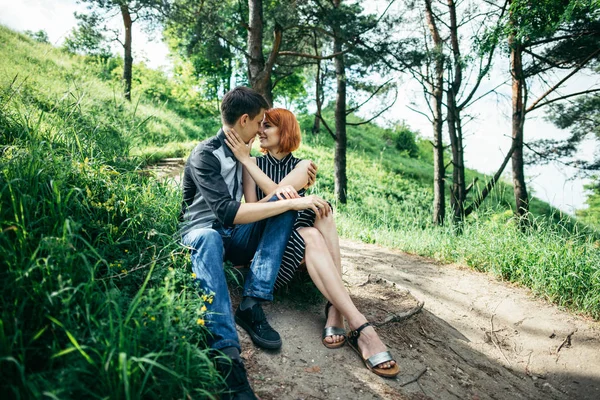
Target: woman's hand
column 285, row 193
column 312, row 175
column 317, row 204
column 240, row 150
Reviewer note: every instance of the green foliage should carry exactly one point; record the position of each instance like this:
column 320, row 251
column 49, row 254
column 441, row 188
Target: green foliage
column 97, row 298
column 87, row 38
column 40, row 36
column 403, row 139
column 591, row 215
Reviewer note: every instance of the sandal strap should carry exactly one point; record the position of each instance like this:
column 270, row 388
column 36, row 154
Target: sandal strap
column 379, row 358
column 327, row 307
column 356, row 333
column 333, row 330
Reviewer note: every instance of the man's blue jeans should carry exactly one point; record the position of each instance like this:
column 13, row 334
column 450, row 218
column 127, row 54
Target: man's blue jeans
column 264, row 240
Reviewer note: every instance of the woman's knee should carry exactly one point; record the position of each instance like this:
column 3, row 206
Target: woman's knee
column 312, row 237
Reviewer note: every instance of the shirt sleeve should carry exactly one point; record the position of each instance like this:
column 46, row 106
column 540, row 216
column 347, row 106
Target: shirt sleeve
column 206, row 173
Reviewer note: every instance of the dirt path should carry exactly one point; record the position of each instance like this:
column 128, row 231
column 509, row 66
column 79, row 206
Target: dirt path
column 476, row 338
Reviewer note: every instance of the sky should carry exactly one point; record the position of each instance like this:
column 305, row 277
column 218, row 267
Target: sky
column 487, row 138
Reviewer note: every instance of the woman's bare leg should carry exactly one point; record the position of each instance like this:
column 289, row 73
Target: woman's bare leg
column 328, row 230
column 324, row 273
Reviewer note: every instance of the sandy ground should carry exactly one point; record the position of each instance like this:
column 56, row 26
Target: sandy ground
column 476, row 338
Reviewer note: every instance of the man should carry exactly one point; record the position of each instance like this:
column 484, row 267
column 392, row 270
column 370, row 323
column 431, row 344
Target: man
column 217, row 226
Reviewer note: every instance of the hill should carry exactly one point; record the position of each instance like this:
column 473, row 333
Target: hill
column 97, row 297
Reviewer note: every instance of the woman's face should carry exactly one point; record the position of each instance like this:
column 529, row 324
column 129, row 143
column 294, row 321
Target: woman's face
column 269, row 136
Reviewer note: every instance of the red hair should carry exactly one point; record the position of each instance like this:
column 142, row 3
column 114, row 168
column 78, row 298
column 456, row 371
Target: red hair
column 289, row 129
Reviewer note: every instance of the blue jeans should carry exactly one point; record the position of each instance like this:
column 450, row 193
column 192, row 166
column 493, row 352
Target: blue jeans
column 263, row 242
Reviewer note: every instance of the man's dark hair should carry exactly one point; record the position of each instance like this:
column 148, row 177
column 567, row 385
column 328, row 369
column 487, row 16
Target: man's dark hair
column 240, row 101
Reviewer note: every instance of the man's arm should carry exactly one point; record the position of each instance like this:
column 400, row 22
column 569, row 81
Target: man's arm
column 206, row 173
column 252, row 212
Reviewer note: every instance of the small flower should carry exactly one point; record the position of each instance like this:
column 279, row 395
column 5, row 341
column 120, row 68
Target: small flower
column 193, row 275
column 123, row 271
column 183, row 337
column 126, row 251
column 203, row 308
column 210, row 300
column 153, row 318
column 200, row 321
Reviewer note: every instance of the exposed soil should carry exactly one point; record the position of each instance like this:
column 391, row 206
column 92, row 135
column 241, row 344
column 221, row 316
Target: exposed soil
column 476, row 338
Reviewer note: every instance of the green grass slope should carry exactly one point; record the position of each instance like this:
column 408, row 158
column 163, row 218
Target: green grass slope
column 97, row 298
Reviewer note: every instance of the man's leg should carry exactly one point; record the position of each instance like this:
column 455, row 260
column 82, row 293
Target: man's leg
column 266, row 240
column 207, row 264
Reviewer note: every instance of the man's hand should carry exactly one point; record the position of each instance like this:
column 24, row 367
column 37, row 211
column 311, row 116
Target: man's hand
column 240, row 150
column 286, row 192
column 314, row 202
column 312, row 175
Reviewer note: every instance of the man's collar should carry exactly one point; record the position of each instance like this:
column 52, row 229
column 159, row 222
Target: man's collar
column 221, row 136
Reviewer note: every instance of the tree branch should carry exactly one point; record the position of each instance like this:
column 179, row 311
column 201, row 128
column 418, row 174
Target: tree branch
column 377, row 115
column 490, row 185
column 563, row 98
column 351, row 110
column 553, row 88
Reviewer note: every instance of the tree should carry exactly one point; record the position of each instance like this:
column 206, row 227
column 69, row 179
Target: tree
column 86, row 38
column 351, row 35
column 434, row 79
column 553, row 36
column 39, row 36
column 131, row 11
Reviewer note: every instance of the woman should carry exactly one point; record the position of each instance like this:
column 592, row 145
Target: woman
column 315, row 237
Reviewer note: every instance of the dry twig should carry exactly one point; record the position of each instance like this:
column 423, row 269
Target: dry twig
column 495, row 342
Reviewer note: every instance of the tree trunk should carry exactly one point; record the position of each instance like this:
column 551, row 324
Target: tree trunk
column 341, row 180
column 439, row 204
column 259, row 72
column 459, row 192
column 317, row 124
column 518, row 121
column 128, row 58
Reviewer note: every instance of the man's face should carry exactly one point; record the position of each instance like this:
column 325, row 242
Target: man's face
column 255, row 124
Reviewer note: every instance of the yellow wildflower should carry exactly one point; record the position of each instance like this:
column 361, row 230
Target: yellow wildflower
column 153, row 318
column 200, row 321
column 203, row 308
column 193, row 275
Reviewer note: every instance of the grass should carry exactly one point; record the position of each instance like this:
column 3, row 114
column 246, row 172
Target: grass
column 98, row 300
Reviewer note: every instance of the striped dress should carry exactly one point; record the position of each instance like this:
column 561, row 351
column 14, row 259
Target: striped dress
column 294, row 252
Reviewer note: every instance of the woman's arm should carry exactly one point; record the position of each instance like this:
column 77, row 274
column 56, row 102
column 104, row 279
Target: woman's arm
column 303, row 174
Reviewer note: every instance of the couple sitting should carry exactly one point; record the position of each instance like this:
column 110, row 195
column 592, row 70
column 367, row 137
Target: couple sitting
column 275, row 228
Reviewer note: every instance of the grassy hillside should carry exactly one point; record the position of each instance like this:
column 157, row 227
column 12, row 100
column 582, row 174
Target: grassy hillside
column 97, row 294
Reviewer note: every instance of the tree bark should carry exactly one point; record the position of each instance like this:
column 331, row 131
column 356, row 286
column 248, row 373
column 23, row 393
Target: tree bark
column 317, row 124
column 259, row 70
column 518, row 121
column 128, row 58
column 341, row 181
column 459, row 191
column 439, row 204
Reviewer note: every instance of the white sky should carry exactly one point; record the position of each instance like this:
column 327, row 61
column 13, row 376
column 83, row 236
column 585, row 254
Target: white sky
column 487, row 138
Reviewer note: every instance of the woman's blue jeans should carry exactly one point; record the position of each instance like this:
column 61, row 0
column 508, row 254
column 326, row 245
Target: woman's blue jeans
column 263, row 242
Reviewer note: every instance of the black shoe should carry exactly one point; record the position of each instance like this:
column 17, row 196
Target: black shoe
column 234, row 375
column 253, row 320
